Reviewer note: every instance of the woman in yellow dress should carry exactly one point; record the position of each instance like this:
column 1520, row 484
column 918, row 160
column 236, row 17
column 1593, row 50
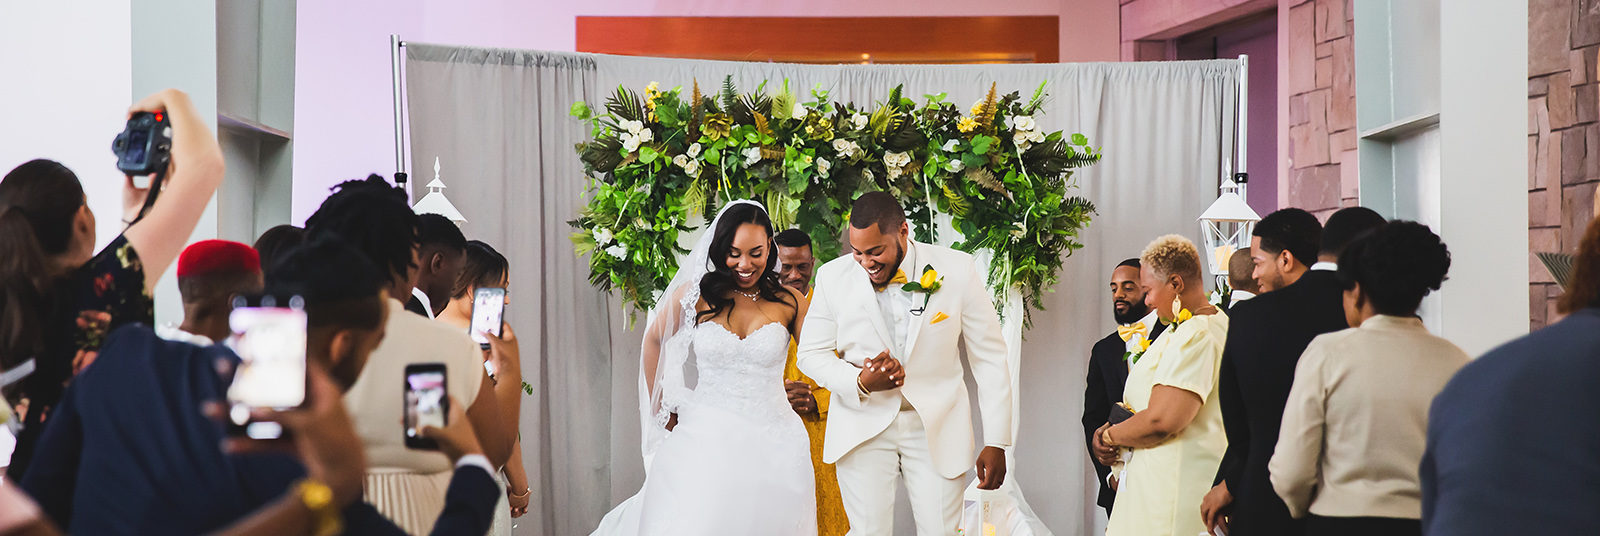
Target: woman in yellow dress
column 1165, row 456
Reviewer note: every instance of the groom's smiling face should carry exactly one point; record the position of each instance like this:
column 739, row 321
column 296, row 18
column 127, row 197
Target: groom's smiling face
column 878, row 252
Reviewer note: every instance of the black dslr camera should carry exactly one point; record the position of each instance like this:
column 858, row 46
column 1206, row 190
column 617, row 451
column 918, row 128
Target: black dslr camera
column 145, row 146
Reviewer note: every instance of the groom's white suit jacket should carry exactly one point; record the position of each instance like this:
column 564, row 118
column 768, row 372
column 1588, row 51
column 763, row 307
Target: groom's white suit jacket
column 845, row 328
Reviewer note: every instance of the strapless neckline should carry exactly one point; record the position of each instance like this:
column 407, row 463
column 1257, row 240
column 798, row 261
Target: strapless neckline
column 746, row 336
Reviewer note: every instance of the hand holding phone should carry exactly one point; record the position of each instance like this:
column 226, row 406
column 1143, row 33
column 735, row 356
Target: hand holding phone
column 271, row 344
column 488, row 313
column 426, row 403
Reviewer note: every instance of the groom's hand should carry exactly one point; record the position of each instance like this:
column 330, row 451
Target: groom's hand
column 991, row 467
column 882, row 373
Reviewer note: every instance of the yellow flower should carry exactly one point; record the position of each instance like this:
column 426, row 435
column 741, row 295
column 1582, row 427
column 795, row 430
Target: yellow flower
column 929, row 278
column 967, row 124
column 1184, row 315
column 1144, row 344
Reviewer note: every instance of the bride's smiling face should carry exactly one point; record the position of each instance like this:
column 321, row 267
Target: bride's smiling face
column 747, row 256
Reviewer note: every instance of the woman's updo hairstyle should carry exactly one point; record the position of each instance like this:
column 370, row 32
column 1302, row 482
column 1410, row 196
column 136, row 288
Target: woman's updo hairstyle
column 1397, row 265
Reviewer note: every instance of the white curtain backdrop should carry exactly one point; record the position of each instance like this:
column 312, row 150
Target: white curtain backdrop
column 497, row 120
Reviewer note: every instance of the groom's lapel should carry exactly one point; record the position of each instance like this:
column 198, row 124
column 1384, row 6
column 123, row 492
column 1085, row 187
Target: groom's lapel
column 859, row 284
column 924, row 259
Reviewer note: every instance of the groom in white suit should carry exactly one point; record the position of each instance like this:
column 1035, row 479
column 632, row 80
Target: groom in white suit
column 890, row 356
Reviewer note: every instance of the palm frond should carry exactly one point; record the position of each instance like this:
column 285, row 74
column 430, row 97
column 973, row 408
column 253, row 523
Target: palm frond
column 958, row 204
column 1037, row 101
column 783, row 103
column 625, row 104
column 1077, row 203
column 694, row 198
column 761, row 124
column 894, row 96
column 986, row 179
column 601, row 155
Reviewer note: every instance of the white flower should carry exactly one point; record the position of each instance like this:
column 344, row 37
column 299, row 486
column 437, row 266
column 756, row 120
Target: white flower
column 619, row 251
column 633, row 127
column 1006, row 122
column 1036, row 137
column 630, row 142
column 846, row 148
column 950, row 146
column 645, row 135
column 1024, row 122
column 823, row 167
column 896, row 160
column 752, row 155
column 602, row 235
column 858, row 121
column 867, row 173
column 694, row 151
column 692, row 168
column 955, row 166
column 1020, row 138
column 895, row 172
column 681, row 161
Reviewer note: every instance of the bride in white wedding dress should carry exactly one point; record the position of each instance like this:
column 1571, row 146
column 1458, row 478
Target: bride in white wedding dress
column 729, row 455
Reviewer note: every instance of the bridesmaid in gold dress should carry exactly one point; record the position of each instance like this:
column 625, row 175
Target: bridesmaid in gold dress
column 809, row 400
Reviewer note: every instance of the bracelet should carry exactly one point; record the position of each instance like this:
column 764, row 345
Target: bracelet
column 1105, row 438
column 318, row 498
column 862, row 386
column 525, row 493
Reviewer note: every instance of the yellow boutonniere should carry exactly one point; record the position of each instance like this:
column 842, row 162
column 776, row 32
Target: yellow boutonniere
column 1144, row 345
column 1133, row 357
column 927, row 284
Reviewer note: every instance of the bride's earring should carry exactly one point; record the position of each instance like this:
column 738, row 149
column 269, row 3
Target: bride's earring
column 1177, row 307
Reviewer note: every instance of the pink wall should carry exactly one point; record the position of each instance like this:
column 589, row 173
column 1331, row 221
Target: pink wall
column 344, row 118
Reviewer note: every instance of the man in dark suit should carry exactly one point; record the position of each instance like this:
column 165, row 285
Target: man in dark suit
column 1301, row 299
column 129, row 450
column 1108, row 365
column 1511, row 439
column 441, row 252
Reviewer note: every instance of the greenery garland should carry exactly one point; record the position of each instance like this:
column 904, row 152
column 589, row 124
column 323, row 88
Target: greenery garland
column 659, row 163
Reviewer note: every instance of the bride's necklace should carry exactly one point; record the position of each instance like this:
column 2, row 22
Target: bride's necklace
column 754, row 296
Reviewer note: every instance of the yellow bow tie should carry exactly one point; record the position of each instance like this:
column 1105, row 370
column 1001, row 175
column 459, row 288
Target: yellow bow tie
column 898, row 279
column 1127, row 332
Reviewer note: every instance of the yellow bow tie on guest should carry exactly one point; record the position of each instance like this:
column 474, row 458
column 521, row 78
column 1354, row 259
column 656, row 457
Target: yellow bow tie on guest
column 898, row 279
column 1127, row 332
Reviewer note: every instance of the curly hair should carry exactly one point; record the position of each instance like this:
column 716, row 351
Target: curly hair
column 374, row 216
column 1172, row 255
column 1396, row 265
column 1584, row 291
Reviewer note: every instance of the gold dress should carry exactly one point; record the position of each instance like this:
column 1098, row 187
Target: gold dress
column 831, row 520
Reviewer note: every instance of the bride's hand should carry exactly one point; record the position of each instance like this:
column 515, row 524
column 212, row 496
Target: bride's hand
column 801, row 398
column 672, row 422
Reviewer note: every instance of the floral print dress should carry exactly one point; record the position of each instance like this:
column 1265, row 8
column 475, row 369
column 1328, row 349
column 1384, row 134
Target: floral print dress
column 104, row 294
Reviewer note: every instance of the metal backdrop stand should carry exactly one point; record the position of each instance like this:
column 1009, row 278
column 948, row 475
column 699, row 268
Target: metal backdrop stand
column 396, row 77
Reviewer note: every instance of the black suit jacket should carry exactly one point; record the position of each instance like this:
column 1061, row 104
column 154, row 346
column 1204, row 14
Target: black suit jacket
column 1266, row 336
column 127, row 451
column 1108, row 374
column 1512, row 438
column 415, row 305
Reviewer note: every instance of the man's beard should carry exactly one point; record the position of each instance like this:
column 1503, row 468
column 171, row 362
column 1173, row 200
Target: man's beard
column 1136, row 312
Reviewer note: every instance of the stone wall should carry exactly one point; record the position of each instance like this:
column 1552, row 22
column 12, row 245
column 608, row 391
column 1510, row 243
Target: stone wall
column 1563, row 137
column 1322, row 166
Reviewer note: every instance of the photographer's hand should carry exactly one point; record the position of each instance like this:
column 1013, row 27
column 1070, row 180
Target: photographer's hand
column 193, row 175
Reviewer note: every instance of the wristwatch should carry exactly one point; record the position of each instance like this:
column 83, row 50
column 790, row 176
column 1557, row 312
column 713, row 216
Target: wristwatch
column 318, row 498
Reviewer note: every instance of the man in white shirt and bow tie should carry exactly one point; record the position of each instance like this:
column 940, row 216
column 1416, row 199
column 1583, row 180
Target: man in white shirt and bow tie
column 883, row 334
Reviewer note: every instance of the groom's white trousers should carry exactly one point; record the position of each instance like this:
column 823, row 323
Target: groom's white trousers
column 867, row 476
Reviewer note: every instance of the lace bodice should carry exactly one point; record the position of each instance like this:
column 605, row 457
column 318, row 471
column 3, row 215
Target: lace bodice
column 744, row 376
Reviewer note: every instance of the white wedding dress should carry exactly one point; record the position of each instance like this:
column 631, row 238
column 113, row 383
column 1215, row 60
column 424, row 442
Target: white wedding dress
column 739, row 460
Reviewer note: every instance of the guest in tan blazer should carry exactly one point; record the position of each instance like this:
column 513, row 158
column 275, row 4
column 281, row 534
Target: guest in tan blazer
column 1356, row 421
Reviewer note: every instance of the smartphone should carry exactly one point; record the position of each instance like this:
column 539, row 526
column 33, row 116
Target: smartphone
column 488, row 312
column 271, row 344
column 425, row 403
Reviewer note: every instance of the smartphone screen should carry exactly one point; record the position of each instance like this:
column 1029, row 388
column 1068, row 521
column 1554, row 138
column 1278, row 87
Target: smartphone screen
column 425, row 402
column 488, row 310
column 271, row 344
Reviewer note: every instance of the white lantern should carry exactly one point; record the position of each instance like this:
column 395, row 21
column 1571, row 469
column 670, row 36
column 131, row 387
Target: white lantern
column 435, row 202
column 1226, row 227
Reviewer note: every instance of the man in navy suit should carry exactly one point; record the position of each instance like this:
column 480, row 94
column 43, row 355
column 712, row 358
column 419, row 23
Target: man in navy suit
column 1512, row 439
column 1108, row 362
column 1301, row 299
column 128, row 450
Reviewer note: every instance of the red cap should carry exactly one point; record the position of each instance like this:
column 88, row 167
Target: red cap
column 208, row 257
